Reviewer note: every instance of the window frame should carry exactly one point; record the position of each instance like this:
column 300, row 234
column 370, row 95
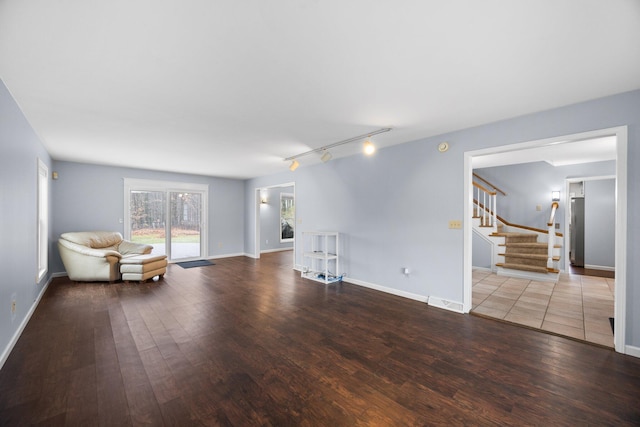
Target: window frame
column 167, row 187
column 42, row 226
column 292, row 197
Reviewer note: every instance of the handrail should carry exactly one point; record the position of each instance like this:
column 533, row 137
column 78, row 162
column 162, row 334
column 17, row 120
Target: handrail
column 509, row 224
column 554, row 208
column 489, row 184
column 475, row 184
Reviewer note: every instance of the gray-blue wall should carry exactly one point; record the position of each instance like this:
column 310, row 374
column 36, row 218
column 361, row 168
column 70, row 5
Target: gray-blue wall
column 91, row 197
column 599, row 223
column 20, row 149
column 394, row 207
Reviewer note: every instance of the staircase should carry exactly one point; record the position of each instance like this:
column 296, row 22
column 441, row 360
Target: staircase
column 517, row 251
column 523, row 252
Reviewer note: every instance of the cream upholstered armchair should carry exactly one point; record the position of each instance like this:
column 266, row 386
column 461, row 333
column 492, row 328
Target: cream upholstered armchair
column 94, row 255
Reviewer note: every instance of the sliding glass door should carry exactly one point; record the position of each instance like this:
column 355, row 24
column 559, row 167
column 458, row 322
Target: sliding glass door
column 185, row 224
column 169, row 216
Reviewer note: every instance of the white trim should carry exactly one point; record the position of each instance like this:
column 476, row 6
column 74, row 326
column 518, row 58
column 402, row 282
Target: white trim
column 293, row 197
column 392, row 291
column 42, row 216
column 16, row 336
column 529, row 275
column 168, row 187
column 621, row 217
column 632, row 351
column 600, row 267
column 266, row 251
column 454, row 306
column 620, row 296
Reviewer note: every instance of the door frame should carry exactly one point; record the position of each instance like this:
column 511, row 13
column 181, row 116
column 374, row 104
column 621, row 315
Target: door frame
column 168, row 187
column 620, row 133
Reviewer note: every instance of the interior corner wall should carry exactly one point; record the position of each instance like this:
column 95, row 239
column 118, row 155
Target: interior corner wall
column 599, row 223
column 20, row 149
column 270, row 227
column 91, row 197
column 423, row 190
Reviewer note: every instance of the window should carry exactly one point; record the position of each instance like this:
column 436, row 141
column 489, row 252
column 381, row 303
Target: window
column 287, row 217
column 43, row 219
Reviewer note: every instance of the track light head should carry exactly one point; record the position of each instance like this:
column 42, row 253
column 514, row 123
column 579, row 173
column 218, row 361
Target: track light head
column 369, row 148
column 326, row 156
column 294, row 165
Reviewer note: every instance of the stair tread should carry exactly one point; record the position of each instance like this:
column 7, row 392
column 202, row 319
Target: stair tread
column 524, row 267
column 525, row 255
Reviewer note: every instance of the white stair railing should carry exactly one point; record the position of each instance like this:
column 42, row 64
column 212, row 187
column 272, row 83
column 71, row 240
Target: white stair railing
column 486, row 206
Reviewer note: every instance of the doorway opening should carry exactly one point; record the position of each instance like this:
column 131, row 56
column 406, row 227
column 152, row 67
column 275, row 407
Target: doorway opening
column 620, row 135
column 275, row 220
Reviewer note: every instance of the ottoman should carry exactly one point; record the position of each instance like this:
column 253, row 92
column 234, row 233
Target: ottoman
column 142, row 267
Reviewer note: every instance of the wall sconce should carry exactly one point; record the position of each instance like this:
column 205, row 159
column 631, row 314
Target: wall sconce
column 263, row 198
column 555, row 196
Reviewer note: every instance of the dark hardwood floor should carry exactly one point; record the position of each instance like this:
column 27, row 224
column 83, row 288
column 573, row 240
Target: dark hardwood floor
column 248, row 342
column 581, row 271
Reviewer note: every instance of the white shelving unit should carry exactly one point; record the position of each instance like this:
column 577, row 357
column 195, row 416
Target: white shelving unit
column 321, row 256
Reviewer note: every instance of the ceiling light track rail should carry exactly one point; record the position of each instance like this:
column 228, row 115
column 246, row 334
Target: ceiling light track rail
column 336, row 144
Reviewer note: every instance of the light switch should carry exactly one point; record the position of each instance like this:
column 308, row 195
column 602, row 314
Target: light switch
column 455, row 224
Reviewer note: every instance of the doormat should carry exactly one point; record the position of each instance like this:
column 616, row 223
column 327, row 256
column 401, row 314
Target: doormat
column 198, row 263
column 612, row 321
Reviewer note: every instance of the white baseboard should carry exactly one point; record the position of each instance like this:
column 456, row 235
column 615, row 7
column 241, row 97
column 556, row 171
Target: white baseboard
column 599, row 267
column 488, row 270
column 226, row 256
column 14, row 339
column 529, row 275
column 267, row 251
column 458, row 307
column 632, row 351
column 392, row 291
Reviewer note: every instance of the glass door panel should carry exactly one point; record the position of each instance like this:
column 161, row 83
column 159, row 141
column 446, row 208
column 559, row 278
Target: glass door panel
column 147, row 217
column 186, row 219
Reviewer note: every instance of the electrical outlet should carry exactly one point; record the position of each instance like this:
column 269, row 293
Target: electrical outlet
column 266, row 242
column 455, row 224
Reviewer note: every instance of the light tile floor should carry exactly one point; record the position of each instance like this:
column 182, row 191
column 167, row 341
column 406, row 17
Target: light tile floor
column 576, row 306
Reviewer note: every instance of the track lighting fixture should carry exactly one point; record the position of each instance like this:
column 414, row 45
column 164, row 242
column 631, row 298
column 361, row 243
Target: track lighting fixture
column 369, row 148
column 326, row 156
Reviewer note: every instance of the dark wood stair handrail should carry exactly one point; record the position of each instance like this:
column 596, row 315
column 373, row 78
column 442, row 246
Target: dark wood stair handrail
column 489, row 184
column 524, row 227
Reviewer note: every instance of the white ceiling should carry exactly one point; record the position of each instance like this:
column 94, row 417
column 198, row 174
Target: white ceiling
column 230, row 88
column 562, row 153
